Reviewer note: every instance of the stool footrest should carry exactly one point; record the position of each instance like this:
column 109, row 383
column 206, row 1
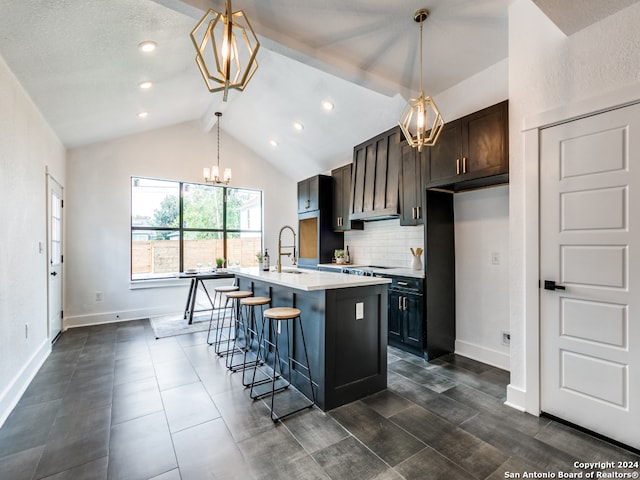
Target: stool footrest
column 281, row 368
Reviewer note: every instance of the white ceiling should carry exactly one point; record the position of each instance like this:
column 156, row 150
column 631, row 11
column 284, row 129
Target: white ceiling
column 78, row 59
column 571, row 16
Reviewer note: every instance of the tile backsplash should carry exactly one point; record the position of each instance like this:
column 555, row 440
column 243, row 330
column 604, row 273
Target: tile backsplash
column 385, row 243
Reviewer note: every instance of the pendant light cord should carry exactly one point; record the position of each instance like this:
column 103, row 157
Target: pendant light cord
column 421, row 91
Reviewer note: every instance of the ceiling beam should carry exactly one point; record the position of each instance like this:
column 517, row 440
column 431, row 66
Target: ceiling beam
column 279, row 42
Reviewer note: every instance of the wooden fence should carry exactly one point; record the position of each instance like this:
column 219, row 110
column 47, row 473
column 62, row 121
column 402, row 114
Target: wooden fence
column 163, row 256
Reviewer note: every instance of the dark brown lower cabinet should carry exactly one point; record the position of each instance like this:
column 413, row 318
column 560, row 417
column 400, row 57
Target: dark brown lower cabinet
column 406, row 316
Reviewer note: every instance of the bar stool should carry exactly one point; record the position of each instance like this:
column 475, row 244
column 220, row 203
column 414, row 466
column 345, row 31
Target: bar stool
column 251, row 330
column 275, row 317
column 218, row 292
column 217, row 296
column 232, row 303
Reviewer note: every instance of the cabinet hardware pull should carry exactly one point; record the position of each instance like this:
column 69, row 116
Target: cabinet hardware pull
column 403, row 284
column 399, row 303
column 418, row 213
column 464, row 164
column 307, row 203
column 457, row 166
column 339, row 221
column 404, row 303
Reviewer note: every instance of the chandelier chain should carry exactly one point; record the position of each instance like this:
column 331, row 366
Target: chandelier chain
column 421, row 68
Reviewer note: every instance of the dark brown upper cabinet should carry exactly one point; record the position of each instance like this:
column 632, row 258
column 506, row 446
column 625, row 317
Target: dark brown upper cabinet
column 308, row 194
column 414, row 174
column 374, row 182
column 472, row 151
column 341, row 200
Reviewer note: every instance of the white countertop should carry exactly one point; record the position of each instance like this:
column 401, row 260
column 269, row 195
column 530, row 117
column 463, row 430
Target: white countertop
column 308, row 279
column 403, row 272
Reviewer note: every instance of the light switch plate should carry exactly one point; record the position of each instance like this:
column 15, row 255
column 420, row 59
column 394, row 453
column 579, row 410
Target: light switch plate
column 359, row 311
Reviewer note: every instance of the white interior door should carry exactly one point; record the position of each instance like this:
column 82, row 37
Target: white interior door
column 54, row 253
column 590, row 245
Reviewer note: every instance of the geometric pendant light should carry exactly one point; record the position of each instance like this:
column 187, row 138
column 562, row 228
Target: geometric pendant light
column 224, row 62
column 421, row 121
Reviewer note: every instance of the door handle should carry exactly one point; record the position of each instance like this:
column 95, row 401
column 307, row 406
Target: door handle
column 457, row 166
column 54, row 273
column 552, row 285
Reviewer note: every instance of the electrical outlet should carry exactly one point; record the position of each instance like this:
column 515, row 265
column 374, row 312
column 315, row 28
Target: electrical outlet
column 506, row 338
column 98, row 296
column 495, row 258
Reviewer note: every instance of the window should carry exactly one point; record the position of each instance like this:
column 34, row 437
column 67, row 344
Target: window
column 178, row 225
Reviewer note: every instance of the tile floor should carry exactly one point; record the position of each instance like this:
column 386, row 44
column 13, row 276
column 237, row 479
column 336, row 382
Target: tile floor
column 111, row 402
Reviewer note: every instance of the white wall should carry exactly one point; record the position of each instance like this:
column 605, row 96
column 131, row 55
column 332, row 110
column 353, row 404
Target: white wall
column 98, row 213
column 548, row 70
column 482, row 280
column 484, row 89
column 28, row 147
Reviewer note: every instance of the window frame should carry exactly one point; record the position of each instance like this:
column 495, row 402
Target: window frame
column 225, row 231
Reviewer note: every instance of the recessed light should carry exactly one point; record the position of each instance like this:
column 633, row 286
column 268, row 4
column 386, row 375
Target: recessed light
column 143, row 114
column 298, row 126
column 327, row 105
column 273, row 143
column 145, row 85
column 147, row 46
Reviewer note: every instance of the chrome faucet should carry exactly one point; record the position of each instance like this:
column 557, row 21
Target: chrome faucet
column 280, row 247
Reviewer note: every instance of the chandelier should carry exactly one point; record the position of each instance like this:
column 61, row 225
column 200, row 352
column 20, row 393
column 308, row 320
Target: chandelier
column 421, row 121
column 224, row 62
column 212, row 175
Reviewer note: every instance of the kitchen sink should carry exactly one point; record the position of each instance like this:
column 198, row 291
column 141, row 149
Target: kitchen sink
column 292, row 270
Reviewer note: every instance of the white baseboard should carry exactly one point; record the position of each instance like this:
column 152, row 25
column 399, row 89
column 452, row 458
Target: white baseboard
column 482, row 354
column 516, row 398
column 11, row 395
column 112, row 317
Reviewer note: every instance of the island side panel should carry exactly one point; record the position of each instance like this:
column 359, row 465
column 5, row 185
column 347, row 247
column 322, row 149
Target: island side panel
column 348, row 356
column 356, row 336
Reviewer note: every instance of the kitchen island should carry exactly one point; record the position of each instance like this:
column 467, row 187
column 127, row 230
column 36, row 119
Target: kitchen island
column 344, row 319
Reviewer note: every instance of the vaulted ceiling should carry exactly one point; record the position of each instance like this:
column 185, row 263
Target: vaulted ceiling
column 79, row 61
